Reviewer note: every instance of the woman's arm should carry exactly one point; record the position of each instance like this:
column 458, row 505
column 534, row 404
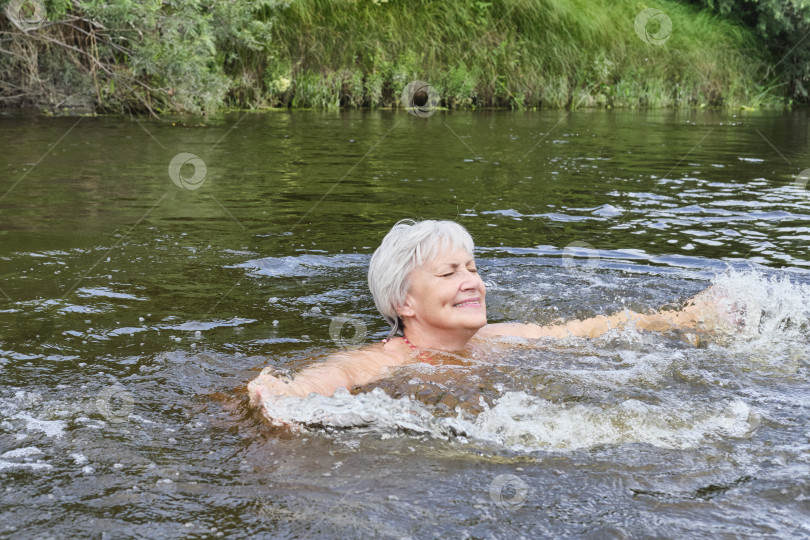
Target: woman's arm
column 590, row 328
column 706, row 311
column 342, row 370
column 593, row 327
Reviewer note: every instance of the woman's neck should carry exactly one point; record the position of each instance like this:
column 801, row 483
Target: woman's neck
column 442, row 340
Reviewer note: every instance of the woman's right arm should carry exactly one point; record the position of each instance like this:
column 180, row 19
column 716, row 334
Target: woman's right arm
column 342, row 370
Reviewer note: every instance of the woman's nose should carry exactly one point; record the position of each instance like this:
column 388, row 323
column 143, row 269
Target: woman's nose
column 471, row 281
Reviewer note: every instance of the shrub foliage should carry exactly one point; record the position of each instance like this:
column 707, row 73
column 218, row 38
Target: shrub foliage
column 195, row 56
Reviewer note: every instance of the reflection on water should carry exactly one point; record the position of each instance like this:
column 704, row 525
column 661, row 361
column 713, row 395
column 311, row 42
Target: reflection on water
column 135, row 312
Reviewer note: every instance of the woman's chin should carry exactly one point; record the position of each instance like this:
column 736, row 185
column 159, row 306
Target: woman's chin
column 474, row 321
column 466, row 318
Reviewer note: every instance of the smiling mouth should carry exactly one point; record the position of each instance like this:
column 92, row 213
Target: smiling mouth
column 466, row 303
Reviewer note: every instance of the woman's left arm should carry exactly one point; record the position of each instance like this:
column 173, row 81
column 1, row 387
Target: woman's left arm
column 706, row 311
column 593, row 327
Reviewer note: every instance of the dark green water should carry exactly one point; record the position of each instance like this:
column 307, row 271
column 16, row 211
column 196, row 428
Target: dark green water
column 134, row 310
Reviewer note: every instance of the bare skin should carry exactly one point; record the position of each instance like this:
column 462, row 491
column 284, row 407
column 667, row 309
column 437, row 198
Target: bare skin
column 444, row 309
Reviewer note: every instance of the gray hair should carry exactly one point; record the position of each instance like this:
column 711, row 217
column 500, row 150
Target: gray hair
column 409, row 245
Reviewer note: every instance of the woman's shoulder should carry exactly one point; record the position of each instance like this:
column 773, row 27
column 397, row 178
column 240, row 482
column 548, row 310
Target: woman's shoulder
column 389, row 352
column 402, row 352
column 395, row 346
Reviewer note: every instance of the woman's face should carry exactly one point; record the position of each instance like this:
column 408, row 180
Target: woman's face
column 447, row 293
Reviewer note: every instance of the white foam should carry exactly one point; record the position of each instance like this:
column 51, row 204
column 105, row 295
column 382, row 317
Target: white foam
column 524, row 422
column 775, row 313
column 14, row 410
column 78, row 458
column 51, row 428
column 106, row 293
column 344, row 410
column 302, row 265
column 33, row 466
column 21, row 452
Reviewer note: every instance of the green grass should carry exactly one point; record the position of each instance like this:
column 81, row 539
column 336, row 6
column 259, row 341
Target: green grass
column 507, row 53
column 188, row 56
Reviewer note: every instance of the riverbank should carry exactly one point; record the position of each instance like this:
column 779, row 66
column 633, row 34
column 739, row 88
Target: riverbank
column 566, row 54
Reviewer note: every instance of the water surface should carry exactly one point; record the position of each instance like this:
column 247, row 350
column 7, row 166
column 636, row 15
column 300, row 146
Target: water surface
column 133, row 311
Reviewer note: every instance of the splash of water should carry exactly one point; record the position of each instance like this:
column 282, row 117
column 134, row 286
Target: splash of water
column 524, row 422
column 770, row 312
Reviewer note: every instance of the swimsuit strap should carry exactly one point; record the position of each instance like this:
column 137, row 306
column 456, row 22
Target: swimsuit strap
column 424, row 356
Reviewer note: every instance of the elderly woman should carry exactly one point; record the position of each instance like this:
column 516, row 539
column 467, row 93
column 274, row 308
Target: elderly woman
column 425, row 283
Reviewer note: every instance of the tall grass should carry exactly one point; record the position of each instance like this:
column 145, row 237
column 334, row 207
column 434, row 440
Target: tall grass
column 192, row 56
column 513, row 53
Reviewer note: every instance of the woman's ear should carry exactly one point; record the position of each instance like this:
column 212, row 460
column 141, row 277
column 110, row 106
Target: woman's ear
column 407, row 308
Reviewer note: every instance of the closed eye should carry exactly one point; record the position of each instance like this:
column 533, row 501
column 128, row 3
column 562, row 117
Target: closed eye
column 473, row 270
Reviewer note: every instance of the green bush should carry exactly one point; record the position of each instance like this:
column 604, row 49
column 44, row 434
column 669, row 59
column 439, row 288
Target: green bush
column 193, row 56
column 783, row 25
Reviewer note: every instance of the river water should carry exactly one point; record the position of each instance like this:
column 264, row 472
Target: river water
column 149, row 270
